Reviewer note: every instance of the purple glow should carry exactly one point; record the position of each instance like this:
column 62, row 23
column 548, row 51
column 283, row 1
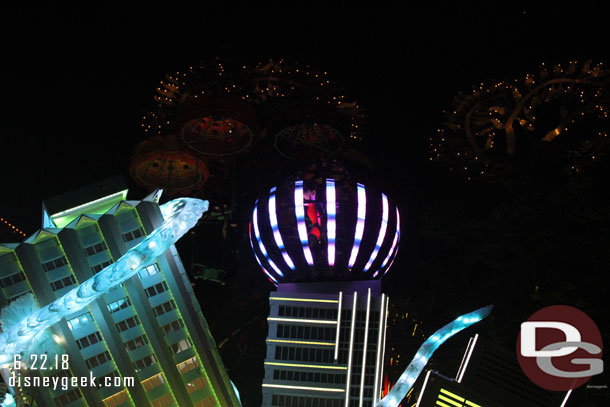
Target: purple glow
column 359, row 225
column 276, row 231
column 301, row 226
column 331, row 224
column 382, row 231
column 261, row 246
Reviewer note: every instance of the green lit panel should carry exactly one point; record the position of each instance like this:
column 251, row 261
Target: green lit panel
column 97, row 207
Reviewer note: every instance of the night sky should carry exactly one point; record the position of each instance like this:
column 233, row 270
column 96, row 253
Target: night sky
column 74, row 84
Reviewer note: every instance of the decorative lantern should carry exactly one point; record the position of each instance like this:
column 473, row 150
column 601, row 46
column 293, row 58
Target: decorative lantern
column 217, row 126
column 162, row 162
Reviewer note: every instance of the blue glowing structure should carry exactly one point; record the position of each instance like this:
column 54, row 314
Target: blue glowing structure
column 8, row 401
column 179, row 216
column 419, row 361
column 333, row 229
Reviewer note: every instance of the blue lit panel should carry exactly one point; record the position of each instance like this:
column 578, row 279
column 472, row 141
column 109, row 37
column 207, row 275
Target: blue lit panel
column 331, row 219
column 425, row 351
column 382, row 232
column 301, row 226
column 276, row 230
column 359, row 225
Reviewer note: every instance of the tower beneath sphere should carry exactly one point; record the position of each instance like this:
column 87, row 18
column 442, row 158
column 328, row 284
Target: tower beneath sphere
column 325, row 242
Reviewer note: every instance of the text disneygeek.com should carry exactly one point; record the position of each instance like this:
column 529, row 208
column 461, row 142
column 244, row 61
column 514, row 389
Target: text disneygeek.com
column 55, row 381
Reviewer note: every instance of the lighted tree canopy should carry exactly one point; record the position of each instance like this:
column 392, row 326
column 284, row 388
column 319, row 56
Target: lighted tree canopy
column 554, row 118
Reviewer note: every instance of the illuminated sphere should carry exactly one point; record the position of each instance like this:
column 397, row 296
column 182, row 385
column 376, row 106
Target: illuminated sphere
column 324, row 229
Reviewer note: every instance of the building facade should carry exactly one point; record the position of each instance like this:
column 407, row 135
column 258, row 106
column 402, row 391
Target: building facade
column 150, row 328
column 325, row 344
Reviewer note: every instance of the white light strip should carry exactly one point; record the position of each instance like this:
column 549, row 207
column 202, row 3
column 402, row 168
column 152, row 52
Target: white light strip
column 307, row 366
column 301, row 226
column 348, row 379
column 302, row 299
column 284, row 386
column 463, row 358
column 261, row 245
column 385, row 322
column 364, row 347
column 359, row 225
column 376, row 397
column 423, row 388
column 393, row 248
column 259, row 261
column 338, row 325
column 382, row 232
column 474, row 342
column 275, row 228
column 76, row 208
column 565, row 400
column 331, row 224
column 301, row 342
column 305, row 321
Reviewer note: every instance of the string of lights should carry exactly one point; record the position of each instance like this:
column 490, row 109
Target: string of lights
column 13, row 228
column 560, row 111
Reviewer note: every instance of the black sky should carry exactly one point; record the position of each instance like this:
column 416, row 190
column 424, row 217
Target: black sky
column 74, row 82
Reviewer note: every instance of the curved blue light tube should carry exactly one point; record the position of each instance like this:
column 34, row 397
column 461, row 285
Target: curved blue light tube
column 179, row 216
column 419, row 361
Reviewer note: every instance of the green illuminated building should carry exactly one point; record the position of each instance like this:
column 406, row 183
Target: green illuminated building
column 150, row 328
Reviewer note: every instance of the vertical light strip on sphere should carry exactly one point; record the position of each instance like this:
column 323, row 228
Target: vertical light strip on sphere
column 382, row 231
column 257, row 259
column 359, row 225
column 393, row 248
column 275, row 228
column 331, row 223
column 261, row 245
column 301, row 226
